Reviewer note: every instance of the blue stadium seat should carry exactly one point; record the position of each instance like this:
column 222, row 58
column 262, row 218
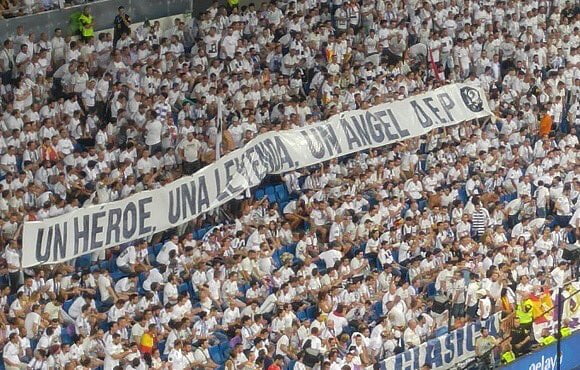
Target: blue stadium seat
column 65, row 337
column 216, row 355
column 259, row 194
column 157, row 248
column 201, row 232
column 83, row 262
column 431, row 290
column 161, row 346
column 113, row 265
column 378, row 309
column 291, row 248
column 321, row 265
column 281, row 193
column 463, row 195
column 104, row 265
column 271, row 194
column 276, row 258
column 94, row 268
column 183, row 288
column 244, row 288
column 117, row 275
column 395, row 254
column 66, row 305
column 312, row 312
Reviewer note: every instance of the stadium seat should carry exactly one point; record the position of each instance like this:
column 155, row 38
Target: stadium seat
column 83, row 262
column 65, row 337
column 321, row 265
column 216, row 355
column 104, row 265
column 157, row 248
column 395, row 254
column 259, row 194
column 66, row 305
column 441, row 331
column 244, row 288
column 378, row 309
column 463, row 195
column 112, row 265
column 161, row 347
column 104, row 325
column 282, row 205
column 117, row 275
column 312, row 312
column 94, row 268
column 281, row 193
column 183, row 288
column 291, row 248
column 276, row 258
column 271, row 194
column 301, row 315
column 431, row 290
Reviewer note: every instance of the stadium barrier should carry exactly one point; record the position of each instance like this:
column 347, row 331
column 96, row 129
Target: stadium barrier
column 546, row 358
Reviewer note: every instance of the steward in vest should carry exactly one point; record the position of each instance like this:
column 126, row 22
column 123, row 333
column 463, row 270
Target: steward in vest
column 547, row 338
column 233, row 3
column 86, row 24
column 521, row 340
column 524, row 314
column 565, row 331
column 507, row 357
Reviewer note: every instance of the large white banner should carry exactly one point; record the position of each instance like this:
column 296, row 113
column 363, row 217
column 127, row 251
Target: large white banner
column 101, row 226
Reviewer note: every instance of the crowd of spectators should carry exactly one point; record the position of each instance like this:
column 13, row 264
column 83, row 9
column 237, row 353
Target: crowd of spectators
column 18, row 8
column 356, row 264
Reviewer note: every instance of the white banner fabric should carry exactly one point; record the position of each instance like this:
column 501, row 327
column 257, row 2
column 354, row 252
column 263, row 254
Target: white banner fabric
column 106, row 225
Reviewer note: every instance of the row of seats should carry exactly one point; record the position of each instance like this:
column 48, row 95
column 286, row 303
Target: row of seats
column 275, row 194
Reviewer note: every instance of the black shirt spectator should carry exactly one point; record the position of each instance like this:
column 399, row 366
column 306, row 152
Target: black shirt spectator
column 122, row 25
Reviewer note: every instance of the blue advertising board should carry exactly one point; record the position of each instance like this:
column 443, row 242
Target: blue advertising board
column 545, row 358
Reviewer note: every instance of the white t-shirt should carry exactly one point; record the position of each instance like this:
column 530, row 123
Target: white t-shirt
column 110, row 350
column 31, row 319
column 177, row 360
column 104, row 283
column 154, row 129
column 127, row 257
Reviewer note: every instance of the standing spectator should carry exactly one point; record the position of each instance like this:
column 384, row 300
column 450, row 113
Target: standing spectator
column 122, row 25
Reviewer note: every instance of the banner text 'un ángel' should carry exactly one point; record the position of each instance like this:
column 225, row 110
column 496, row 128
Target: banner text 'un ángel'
column 101, row 226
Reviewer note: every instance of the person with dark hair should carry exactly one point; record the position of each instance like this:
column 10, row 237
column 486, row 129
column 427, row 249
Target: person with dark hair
column 121, row 24
column 278, row 363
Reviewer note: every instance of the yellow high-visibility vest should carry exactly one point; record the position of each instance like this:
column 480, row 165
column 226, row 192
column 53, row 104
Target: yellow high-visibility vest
column 525, row 316
column 566, row 332
column 547, row 340
column 508, row 357
column 86, row 25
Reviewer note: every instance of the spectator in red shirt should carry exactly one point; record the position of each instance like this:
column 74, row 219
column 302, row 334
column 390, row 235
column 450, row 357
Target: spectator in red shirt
column 278, row 363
